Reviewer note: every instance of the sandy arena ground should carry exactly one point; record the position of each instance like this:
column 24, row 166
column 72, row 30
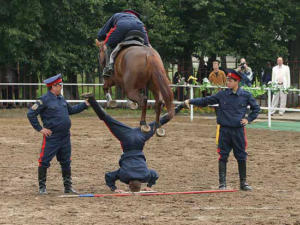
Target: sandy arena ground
column 186, row 160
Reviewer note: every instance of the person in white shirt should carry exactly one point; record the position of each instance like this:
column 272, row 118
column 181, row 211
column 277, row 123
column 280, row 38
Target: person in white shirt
column 280, row 76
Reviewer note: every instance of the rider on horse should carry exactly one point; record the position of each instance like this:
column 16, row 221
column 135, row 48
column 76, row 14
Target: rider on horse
column 115, row 30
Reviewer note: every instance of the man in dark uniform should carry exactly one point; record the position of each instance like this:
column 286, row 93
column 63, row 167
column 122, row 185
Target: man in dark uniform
column 54, row 112
column 133, row 167
column 232, row 118
column 115, row 30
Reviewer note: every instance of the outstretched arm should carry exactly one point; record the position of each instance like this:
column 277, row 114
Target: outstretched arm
column 210, row 100
column 77, row 108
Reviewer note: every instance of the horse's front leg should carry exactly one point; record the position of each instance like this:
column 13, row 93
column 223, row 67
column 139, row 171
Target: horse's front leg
column 106, row 88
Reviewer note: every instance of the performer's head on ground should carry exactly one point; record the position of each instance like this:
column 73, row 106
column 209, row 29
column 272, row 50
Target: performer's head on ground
column 135, row 185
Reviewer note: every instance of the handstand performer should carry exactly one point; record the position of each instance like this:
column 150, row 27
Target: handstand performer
column 133, row 167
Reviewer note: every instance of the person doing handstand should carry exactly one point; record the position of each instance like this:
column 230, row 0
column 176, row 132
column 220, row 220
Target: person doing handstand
column 133, row 167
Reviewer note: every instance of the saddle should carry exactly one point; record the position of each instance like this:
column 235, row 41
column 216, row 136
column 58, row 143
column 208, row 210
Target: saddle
column 134, row 35
column 132, row 38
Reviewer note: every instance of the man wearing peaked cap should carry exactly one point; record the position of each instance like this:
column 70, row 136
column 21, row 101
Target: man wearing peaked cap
column 54, row 112
column 233, row 75
column 232, row 118
column 53, row 80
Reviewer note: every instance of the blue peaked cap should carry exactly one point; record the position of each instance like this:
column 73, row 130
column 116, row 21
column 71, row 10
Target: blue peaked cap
column 230, row 72
column 51, row 80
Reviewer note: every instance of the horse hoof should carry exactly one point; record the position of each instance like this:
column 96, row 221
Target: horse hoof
column 145, row 128
column 112, row 104
column 133, row 105
column 160, row 132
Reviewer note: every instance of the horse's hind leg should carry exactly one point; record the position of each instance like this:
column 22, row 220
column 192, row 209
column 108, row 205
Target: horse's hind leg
column 158, row 104
column 141, row 99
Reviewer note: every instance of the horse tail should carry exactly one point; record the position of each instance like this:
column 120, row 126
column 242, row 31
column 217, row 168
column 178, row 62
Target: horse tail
column 160, row 80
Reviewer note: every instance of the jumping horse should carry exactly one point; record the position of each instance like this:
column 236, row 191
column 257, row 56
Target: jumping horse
column 138, row 69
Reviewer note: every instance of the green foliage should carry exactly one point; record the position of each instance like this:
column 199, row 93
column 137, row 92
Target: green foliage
column 58, row 35
column 256, row 90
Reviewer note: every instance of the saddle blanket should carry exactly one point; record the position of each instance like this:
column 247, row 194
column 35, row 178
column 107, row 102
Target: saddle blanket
column 122, row 45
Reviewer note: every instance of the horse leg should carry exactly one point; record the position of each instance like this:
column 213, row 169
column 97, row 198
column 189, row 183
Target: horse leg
column 144, row 126
column 132, row 105
column 160, row 132
column 141, row 99
column 106, row 87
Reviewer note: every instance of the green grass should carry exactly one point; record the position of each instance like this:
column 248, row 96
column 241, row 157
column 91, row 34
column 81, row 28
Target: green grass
column 276, row 125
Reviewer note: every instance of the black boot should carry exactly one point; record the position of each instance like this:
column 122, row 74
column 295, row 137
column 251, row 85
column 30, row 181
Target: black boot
column 42, row 175
column 242, row 171
column 66, row 174
column 108, row 69
column 222, row 175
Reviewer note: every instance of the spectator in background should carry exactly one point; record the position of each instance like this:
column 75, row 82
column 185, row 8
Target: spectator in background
column 217, row 77
column 176, row 78
column 179, row 91
column 267, row 73
column 246, row 72
column 280, row 76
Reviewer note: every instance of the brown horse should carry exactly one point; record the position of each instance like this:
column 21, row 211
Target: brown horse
column 138, row 69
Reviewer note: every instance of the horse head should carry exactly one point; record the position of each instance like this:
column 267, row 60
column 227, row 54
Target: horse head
column 102, row 49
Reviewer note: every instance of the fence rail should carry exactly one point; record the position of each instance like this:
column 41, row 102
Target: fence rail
column 190, row 89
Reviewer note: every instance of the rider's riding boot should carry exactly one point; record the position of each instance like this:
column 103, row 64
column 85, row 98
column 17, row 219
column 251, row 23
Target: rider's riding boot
column 242, row 171
column 109, row 67
column 66, row 174
column 222, row 175
column 42, row 175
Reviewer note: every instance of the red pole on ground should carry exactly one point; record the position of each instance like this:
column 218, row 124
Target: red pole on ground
column 156, row 193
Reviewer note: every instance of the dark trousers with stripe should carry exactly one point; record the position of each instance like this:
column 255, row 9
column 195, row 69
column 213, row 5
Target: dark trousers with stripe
column 59, row 146
column 232, row 138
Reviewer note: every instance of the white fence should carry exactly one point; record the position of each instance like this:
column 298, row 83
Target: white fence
column 190, row 87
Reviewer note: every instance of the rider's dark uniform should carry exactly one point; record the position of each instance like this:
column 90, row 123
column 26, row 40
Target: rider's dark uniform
column 115, row 29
